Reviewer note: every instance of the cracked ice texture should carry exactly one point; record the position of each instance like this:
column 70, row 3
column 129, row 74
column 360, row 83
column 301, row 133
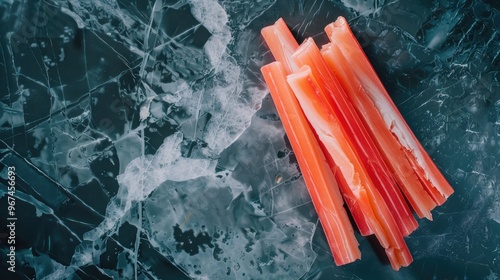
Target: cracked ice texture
column 146, row 147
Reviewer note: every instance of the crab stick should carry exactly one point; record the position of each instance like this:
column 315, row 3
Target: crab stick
column 391, row 150
column 282, row 44
column 338, row 102
column 332, row 134
column 427, row 172
column 317, row 174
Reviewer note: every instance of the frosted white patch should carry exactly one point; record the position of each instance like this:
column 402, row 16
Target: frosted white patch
column 109, row 7
column 183, row 91
column 10, row 114
column 210, row 14
column 214, row 19
column 154, row 78
column 231, row 105
column 157, row 111
column 234, row 240
column 62, row 55
column 363, row 7
column 492, row 276
column 142, row 175
column 77, row 156
column 215, row 44
column 82, row 255
column 144, row 111
column 127, row 149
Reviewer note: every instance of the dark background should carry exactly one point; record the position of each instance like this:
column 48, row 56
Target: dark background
column 89, row 91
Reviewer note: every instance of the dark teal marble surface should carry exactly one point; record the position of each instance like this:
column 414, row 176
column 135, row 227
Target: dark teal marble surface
column 145, row 145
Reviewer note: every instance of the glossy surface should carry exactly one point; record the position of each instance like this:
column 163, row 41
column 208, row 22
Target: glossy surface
column 318, row 176
column 146, row 146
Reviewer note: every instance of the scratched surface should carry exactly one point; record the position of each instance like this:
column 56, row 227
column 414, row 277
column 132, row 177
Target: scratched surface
column 147, row 147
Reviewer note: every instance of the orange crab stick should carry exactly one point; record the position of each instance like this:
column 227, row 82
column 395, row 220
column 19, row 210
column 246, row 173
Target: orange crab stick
column 318, row 176
column 359, row 186
column 433, row 180
column 392, row 151
column 338, row 102
column 282, row 44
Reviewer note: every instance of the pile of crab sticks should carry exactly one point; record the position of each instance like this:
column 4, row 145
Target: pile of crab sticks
column 351, row 142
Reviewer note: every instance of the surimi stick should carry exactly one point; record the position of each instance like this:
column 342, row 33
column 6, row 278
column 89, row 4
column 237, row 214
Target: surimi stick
column 280, row 41
column 332, row 134
column 432, row 179
column 282, row 44
column 338, row 102
column 392, row 151
column 317, row 174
